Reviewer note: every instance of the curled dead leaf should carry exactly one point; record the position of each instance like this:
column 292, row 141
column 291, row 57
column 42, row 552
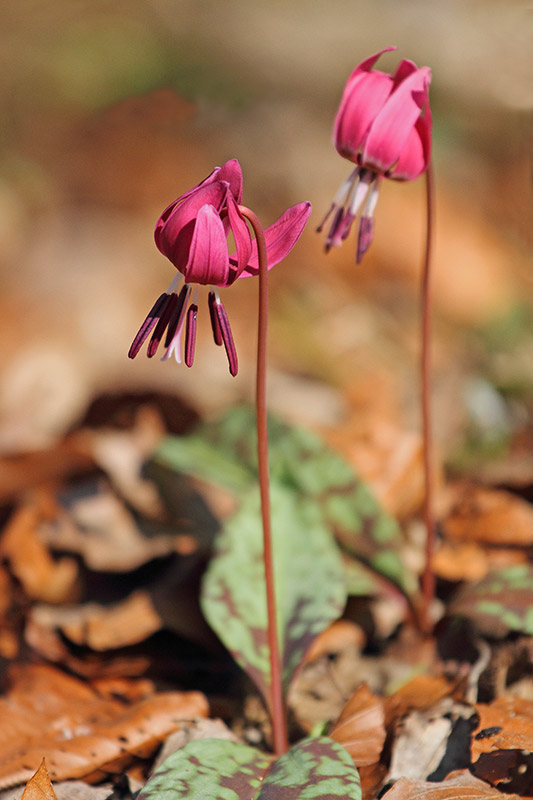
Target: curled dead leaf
column 39, row 787
column 459, row 785
column 505, row 724
column 336, row 637
column 360, row 727
column 81, row 735
column 420, row 693
column 489, row 516
column 42, row 577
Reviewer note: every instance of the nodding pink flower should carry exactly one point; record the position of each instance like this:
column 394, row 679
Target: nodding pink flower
column 192, row 233
column 383, row 125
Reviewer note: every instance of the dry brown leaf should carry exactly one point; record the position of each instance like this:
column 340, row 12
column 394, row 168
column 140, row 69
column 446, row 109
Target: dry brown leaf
column 108, row 628
column 419, row 694
column 104, row 533
column 360, row 727
column 489, row 516
column 21, row 472
column 388, row 458
column 371, row 780
column 42, row 577
column 505, row 724
column 468, row 561
column 47, row 713
column 43, row 636
column 459, row 785
column 121, row 455
column 39, row 787
column 340, row 634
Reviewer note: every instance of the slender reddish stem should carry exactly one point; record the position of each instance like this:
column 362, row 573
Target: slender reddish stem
column 428, row 577
column 277, row 706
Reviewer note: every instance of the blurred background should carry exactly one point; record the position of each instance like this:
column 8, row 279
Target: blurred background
column 110, row 110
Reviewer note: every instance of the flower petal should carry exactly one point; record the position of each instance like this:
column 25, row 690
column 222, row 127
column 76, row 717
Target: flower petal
column 208, row 254
column 392, row 126
column 231, row 172
column 280, row 237
column 241, row 232
column 174, row 230
column 416, row 153
column 364, row 102
column 362, row 98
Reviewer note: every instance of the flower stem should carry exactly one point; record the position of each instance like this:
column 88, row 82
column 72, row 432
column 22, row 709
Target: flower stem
column 428, row 576
column 277, row 706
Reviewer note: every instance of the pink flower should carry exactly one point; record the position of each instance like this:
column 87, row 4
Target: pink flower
column 192, row 233
column 383, row 125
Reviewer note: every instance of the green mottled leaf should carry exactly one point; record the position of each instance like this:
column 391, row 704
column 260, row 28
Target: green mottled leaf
column 217, row 769
column 311, row 770
column 209, row 769
column 309, row 581
column 500, row 603
column 224, row 453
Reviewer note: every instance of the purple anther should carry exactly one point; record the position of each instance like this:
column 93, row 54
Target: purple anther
column 227, row 338
column 190, row 334
column 177, row 315
column 334, row 233
column 160, row 328
column 145, row 329
column 215, row 324
column 364, row 238
column 347, row 225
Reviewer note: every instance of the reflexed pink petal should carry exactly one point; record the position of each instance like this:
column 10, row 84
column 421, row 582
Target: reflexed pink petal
column 416, row 154
column 208, row 254
column 403, row 70
column 363, row 67
column 166, row 213
column 242, row 235
column 391, row 128
column 231, row 173
column 280, row 237
column 347, row 139
column 359, row 108
column 173, row 232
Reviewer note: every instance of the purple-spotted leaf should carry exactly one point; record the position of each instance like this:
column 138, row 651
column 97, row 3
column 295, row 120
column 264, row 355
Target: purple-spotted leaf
column 314, row 769
column 209, row 769
column 499, row 603
column 224, row 453
column 309, row 582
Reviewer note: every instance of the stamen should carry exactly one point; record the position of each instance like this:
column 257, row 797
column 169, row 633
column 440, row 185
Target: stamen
column 333, row 237
column 341, row 198
column 320, row 228
column 364, row 237
column 146, row 328
column 177, row 314
column 367, row 225
column 190, row 334
column 227, row 338
column 177, row 324
column 215, row 325
column 360, row 191
column 166, row 313
column 177, row 280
